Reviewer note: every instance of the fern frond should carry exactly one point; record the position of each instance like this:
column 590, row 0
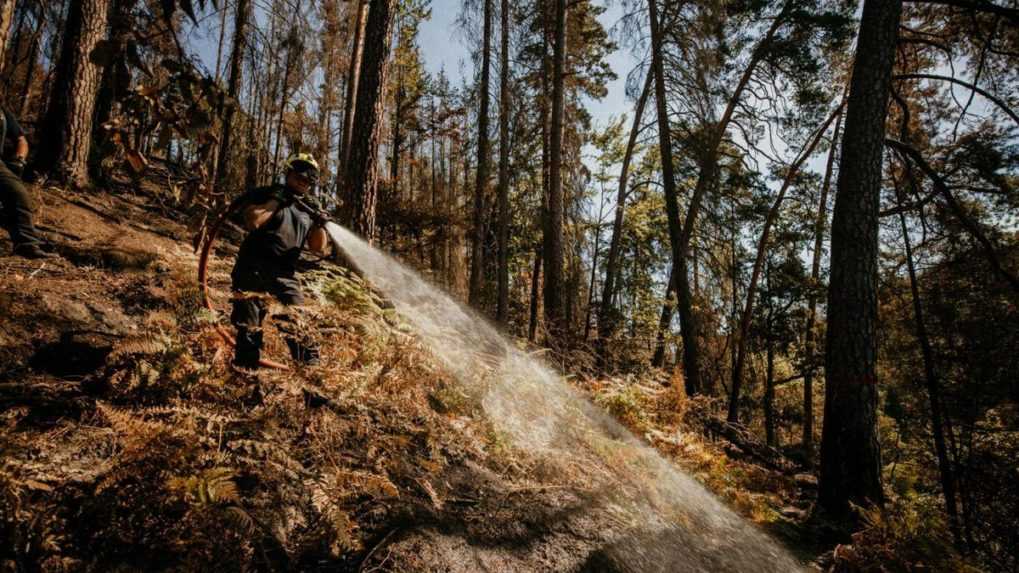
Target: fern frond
column 240, row 519
column 146, row 345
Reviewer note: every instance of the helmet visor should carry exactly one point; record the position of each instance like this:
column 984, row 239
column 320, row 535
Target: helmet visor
column 305, row 170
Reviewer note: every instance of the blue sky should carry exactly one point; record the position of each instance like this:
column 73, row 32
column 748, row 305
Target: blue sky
column 442, row 45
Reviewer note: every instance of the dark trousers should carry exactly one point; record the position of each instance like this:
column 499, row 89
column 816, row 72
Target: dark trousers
column 250, row 310
column 17, row 209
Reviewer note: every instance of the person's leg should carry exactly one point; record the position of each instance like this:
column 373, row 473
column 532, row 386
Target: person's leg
column 295, row 333
column 247, row 316
column 17, row 210
column 293, row 324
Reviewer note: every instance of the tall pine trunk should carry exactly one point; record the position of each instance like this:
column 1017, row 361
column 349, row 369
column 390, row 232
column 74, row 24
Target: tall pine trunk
column 691, row 365
column 503, row 216
column 809, row 338
column 532, row 324
column 850, row 451
column 350, row 102
column 68, row 122
column 933, row 386
column 116, row 79
column 607, row 314
column 553, row 236
column 232, row 89
column 364, row 150
column 481, row 183
column 6, row 23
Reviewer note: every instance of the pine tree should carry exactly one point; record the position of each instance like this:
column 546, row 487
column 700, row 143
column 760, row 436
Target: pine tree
column 68, row 121
column 850, row 452
column 364, row 151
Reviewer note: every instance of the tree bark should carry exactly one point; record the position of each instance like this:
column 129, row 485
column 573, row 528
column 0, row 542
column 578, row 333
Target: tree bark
column 115, row 77
column 553, row 240
column 502, row 298
column 607, row 318
column 232, row 89
column 350, row 102
column 481, row 182
column 364, row 151
column 532, row 326
column 815, row 277
column 850, row 451
column 933, row 386
column 6, row 21
column 68, row 122
column 678, row 238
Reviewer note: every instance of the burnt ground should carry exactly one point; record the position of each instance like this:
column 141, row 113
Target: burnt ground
column 128, row 443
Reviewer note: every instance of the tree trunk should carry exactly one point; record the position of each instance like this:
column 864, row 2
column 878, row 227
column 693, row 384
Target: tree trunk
column 232, row 89
column 481, row 184
column 397, row 145
column 502, row 301
column 116, row 79
column 328, row 92
column 607, row 314
column 68, row 122
column 769, row 395
column 532, row 326
column 553, row 239
column 850, row 451
column 353, row 78
column 691, row 347
column 762, row 247
column 594, row 271
column 707, row 173
column 6, row 20
column 364, row 151
column 293, row 44
column 933, row 386
column 33, row 54
column 664, row 321
column 815, row 277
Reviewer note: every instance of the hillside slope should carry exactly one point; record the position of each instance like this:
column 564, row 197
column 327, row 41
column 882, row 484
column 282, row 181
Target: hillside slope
column 129, row 443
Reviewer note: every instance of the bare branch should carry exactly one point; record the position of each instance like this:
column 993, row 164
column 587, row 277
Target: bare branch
column 997, row 101
column 975, row 5
column 910, row 153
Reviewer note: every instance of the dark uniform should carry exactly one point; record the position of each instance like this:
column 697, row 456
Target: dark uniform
column 17, row 207
column 265, row 265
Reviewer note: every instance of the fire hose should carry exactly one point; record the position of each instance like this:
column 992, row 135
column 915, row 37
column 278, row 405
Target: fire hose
column 203, row 275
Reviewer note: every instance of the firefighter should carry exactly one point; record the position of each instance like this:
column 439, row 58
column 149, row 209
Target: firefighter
column 280, row 227
column 17, row 208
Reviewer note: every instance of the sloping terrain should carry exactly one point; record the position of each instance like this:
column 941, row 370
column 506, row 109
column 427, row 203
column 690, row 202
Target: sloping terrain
column 129, row 443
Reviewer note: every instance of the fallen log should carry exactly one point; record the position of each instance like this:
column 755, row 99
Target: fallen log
column 740, row 437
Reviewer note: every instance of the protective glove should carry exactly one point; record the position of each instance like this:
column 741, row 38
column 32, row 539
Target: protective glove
column 319, row 217
column 17, row 166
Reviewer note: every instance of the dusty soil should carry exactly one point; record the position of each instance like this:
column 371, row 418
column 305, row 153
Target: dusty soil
column 128, row 442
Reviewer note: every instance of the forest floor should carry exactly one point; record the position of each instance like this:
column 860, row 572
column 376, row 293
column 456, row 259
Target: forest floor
column 129, row 443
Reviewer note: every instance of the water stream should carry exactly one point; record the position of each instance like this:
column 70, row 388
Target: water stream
column 671, row 522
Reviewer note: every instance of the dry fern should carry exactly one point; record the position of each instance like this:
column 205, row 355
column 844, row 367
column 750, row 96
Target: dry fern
column 145, row 344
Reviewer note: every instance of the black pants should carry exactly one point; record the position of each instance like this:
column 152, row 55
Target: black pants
column 249, row 310
column 17, row 209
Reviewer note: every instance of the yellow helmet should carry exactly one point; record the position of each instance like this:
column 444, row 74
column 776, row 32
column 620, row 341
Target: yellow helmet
column 303, row 163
